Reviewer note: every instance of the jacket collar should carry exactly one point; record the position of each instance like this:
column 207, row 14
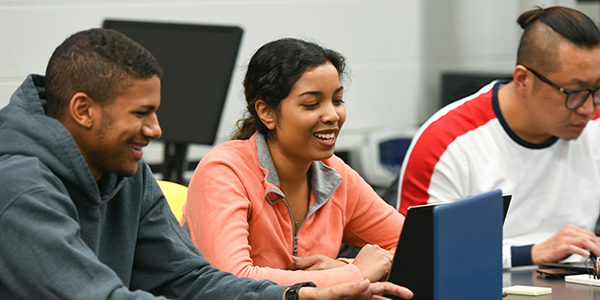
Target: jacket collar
column 324, row 182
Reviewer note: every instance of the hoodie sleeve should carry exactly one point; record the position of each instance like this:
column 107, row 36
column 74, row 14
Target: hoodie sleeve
column 168, row 263
column 42, row 255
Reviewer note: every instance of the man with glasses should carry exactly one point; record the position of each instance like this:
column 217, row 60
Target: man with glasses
column 536, row 137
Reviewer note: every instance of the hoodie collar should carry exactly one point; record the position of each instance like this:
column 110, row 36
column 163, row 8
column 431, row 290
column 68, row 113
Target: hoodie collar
column 37, row 135
column 324, row 180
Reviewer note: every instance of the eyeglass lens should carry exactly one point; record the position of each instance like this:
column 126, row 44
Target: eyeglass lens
column 576, row 99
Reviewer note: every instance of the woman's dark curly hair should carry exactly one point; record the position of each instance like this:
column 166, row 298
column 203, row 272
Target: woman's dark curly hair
column 272, row 72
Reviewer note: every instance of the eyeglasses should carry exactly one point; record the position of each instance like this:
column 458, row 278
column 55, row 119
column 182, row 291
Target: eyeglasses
column 575, row 98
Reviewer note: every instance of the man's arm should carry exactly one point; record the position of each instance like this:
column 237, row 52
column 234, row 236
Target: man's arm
column 569, row 240
column 42, row 254
column 167, row 262
column 43, row 257
column 222, row 285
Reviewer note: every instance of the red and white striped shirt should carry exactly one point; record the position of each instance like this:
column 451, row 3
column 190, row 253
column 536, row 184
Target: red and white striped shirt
column 467, row 148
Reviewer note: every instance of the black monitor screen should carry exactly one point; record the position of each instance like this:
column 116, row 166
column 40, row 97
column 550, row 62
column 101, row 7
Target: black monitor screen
column 457, row 85
column 197, row 62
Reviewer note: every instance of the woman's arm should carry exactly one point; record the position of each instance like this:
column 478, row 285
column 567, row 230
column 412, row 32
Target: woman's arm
column 370, row 220
column 218, row 212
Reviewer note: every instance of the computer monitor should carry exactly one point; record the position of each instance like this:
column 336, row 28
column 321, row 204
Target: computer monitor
column 197, row 62
column 456, row 85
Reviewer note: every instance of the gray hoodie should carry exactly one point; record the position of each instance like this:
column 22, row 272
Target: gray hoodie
column 65, row 236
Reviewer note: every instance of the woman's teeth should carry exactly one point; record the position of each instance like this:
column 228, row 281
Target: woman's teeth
column 325, row 136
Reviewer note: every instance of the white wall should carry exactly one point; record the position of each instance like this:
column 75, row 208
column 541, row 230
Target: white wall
column 396, row 49
column 370, row 33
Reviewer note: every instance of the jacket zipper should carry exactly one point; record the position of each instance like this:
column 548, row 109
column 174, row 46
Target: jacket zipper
column 294, row 233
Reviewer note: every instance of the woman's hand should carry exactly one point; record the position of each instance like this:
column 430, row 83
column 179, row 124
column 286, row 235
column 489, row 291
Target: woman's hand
column 314, row 262
column 373, row 262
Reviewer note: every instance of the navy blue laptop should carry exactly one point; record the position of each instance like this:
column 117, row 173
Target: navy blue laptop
column 453, row 250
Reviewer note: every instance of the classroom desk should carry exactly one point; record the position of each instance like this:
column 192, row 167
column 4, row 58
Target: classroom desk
column 561, row 290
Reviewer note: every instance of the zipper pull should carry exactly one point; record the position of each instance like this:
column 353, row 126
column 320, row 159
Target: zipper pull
column 295, row 251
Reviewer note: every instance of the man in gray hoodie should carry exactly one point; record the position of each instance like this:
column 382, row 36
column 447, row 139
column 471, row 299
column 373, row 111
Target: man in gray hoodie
column 81, row 216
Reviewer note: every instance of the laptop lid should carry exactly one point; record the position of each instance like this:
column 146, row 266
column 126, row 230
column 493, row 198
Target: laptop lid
column 505, row 205
column 452, row 250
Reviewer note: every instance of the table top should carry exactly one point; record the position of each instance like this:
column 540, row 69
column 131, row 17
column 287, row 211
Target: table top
column 561, row 290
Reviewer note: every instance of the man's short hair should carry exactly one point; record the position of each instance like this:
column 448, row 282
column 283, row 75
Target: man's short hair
column 546, row 28
column 101, row 63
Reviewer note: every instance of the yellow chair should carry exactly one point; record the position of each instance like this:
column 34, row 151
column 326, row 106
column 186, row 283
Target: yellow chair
column 176, row 195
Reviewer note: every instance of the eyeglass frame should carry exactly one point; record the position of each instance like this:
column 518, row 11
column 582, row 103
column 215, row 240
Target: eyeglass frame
column 591, row 92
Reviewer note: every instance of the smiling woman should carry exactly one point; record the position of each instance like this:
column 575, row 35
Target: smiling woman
column 305, row 124
column 276, row 203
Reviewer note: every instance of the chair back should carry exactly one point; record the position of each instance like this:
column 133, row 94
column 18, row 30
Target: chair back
column 176, row 195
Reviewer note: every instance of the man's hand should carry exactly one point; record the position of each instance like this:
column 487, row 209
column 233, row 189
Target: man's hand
column 569, row 240
column 355, row 291
column 373, row 262
column 315, row 262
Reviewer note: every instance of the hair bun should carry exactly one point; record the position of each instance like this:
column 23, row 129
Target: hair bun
column 528, row 17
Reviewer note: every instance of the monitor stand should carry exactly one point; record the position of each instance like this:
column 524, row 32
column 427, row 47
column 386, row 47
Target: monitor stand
column 174, row 163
